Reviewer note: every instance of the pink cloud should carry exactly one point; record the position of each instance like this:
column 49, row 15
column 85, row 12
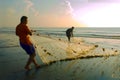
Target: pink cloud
column 30, row 7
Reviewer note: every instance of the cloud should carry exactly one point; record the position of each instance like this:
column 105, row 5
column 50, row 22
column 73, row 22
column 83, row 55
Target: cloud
column 30, row 7
column 69, row 8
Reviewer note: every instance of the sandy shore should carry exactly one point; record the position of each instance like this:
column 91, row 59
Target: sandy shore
column 82, row 59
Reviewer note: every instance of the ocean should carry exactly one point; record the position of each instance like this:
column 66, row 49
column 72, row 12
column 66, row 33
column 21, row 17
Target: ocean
column 109, row 33
column 93, row 32
column 9, row 39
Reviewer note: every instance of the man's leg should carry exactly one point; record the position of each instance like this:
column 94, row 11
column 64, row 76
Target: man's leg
column 32, row 57
column 30, row 60
column 69, row 38
column 28, row 63
column 34, row 60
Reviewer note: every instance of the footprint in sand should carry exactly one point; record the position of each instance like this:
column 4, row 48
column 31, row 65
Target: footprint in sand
column 103, row 49
column 79, row 43
column 96, row 45
column 102, row 73
column 49, row 53
column 45, row 50
column 59, row 39
column 116, row 51
column 74, row 51
column 83, row 70
column 41, row 47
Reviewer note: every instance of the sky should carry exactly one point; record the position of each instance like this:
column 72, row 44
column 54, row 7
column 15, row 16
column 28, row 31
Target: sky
column 61, row 13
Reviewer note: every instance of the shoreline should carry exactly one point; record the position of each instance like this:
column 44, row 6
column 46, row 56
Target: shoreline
column 107, row 67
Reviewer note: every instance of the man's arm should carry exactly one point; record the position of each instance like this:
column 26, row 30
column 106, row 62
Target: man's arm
column 30, row 33
column 28, row 30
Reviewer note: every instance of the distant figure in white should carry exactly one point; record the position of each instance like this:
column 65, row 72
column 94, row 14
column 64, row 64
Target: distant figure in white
column 69, row 33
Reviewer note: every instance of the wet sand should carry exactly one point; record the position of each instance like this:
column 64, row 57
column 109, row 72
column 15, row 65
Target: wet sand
column 106, row 66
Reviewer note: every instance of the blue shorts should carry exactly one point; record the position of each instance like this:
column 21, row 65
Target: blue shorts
column 30, row 49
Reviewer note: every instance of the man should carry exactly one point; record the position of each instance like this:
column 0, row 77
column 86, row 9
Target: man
column 69, row 33
column 24, row 33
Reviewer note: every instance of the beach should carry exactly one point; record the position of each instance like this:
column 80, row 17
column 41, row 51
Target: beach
column 81, row 59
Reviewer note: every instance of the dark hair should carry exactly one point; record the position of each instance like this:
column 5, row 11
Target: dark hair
column 72, row 27
column 23, row 18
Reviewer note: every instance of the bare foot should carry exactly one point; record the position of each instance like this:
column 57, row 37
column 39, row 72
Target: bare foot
column 27, row 68
column 37, row 66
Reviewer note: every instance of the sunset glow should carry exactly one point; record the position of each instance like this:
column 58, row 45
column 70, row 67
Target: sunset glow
column 61, row 13
column 104, row 16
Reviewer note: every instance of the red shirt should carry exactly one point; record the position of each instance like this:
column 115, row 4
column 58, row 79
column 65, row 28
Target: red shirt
column 23, row 32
